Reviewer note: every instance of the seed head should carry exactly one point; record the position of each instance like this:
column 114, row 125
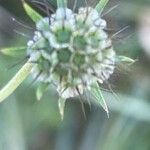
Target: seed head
column 72, row 50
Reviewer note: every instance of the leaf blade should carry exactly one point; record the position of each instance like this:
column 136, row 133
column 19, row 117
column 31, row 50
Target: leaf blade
column 124, row 59
column 61, row 3
column 13, row 51
column 35, row 16
column 11, row 86
column 101, row 5
column 97, row 94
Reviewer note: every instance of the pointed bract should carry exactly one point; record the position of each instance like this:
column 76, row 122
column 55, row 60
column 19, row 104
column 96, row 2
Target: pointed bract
column 13, row 51
column 125, row 59
column 61, row 105
column 97, row 94
column 101, row 5
column 61, row 3
column 35, row 16
column 42, row 88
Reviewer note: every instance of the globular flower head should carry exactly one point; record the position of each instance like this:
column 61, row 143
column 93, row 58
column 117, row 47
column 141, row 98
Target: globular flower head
column 72, row 50
column 69, row 50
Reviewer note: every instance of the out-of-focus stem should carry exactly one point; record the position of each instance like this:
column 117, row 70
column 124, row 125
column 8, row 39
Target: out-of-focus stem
column 15, row 81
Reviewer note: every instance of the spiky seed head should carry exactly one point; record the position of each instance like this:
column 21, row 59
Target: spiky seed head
column 72, row 50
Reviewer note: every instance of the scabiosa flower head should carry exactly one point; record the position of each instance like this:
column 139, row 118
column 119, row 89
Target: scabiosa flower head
column 72, row 50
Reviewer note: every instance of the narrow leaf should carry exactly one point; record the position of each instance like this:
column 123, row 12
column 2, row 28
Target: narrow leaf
column 41, row 90
column 97, row 94
column 35, row 16
column 15, row 81
column 124, row 59
column 101, row 5
column 13, row 51
column 61, row 3
column 61, row 105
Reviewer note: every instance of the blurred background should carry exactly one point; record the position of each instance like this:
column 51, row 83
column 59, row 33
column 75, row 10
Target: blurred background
column 28, row 124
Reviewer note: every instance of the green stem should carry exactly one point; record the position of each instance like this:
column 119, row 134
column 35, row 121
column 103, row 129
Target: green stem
column 15, row 81
column 101, row 5
column 61, row 3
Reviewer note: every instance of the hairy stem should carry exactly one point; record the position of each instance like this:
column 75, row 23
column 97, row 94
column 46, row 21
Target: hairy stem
column 101, row 5
column 15, row 81
column 61, row 3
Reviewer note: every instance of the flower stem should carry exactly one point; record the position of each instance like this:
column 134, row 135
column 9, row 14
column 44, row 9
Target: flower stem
column 61, row 3
column 101, row 5
column 15, row 81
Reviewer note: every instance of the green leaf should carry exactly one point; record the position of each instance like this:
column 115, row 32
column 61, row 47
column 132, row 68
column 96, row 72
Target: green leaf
column 101, row 5
column 61, row 3
column 10, row 87
column 41, row 90
column 13, row 51
column 97, row 94
column 35, row 16
column 61, row 105
column 124, row 59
